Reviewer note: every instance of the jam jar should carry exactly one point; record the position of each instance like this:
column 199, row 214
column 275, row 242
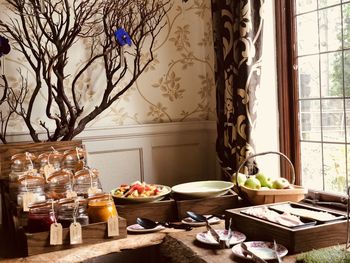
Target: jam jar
column 33, row 184
column 21, row 163
column 100, row 208
column 74, row 159
column 40, row 217
column 49, row 162
column 86, row 179
column 58, row 184
column 70, row 208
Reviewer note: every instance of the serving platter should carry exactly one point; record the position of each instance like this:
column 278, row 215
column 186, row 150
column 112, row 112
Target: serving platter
column 296, row 240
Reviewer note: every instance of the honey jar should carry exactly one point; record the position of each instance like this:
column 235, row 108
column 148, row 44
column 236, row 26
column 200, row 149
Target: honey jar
column 100, row 208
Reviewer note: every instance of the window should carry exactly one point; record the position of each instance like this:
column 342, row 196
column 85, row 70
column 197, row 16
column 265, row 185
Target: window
column 313, row 52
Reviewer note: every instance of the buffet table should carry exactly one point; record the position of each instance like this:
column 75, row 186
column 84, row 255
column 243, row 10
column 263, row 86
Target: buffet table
column 176, row 246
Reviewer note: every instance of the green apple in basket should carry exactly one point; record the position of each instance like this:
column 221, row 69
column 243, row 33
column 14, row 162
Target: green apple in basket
column 280, row 183
column 252, row 183
column 265, row 180
column 240, row 178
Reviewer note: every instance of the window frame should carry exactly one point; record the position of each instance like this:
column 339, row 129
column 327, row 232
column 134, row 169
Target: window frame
column 287, row 82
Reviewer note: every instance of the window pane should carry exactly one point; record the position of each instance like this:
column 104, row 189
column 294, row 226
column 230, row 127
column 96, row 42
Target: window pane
column 334, row 167
column 311, row 160
column 346, row 27
column 347, row 73
column 347, row 105
column 324, row 3
column 307, row 33
column 310, row 120
column 330, row 29
column 303, row 6
column 332, row 74
column 308, row 71
column 333, row 120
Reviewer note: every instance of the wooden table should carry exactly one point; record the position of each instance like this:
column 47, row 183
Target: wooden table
column 175, row 246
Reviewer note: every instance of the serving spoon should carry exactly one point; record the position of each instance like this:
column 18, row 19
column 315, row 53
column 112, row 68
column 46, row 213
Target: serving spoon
column 150, row 224
column 199, row 217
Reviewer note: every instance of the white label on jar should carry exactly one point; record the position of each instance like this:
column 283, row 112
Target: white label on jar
column 27, row 199
column 94, row 190
column 71, row 194
column 113, row 226
column 48, row 170
column 75, row 233
column 56, row 234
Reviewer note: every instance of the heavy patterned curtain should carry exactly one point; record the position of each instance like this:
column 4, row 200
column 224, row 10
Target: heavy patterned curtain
column 238, row 31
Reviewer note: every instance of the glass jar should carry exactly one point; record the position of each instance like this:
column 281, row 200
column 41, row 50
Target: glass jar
column 70, row 208
column 40, row 217
column 74, row 159
column 32, row 184
column 86, row 179
column 100, row 208
column 20, row 164
column 58, row 184
column 49, row 159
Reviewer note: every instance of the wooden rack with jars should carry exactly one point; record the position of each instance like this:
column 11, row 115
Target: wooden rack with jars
column 24, row 174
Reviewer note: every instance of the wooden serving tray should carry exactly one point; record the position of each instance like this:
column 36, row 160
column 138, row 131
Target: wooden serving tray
column 38, row 243
column 297, row 239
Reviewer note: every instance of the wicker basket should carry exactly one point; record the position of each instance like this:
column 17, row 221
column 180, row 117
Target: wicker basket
column 261, row 196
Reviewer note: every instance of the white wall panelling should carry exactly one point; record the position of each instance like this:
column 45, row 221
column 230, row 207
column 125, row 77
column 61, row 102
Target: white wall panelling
column 168, row 153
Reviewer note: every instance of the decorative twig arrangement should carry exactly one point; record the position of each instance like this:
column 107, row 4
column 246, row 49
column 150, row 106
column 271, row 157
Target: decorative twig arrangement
column 45, row 31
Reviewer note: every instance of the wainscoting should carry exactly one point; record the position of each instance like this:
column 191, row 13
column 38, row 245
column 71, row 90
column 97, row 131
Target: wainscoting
column 159, row 153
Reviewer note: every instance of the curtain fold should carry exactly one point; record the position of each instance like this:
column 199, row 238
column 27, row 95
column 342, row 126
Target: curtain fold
column 238, row 32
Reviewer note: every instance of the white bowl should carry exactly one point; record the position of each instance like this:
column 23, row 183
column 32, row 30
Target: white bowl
column 202, row 189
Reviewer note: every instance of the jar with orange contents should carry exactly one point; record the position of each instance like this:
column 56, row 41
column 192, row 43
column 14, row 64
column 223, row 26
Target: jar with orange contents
column 100, row 208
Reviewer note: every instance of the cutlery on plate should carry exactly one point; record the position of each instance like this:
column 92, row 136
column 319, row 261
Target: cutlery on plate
column 229, row 233
column 278, row 258
column 254, row 257
column 201, row 218
column 149, row 224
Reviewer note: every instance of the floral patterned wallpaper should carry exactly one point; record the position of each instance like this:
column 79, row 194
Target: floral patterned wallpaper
column 177, row 86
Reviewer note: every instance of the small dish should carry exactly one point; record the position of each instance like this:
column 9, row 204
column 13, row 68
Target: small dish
column 207, row 238
column 192, row 222
column 136, row 228
column 262, row 249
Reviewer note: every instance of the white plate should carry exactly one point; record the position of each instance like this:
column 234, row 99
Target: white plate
column 202, row 189
column 207, row 238
column 128, row 200
column 192, row 222
column 262, row 249
column 136, row 228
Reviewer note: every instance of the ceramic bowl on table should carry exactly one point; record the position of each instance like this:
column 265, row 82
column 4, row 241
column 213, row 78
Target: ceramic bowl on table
column 202, row 189
column 164, row 191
